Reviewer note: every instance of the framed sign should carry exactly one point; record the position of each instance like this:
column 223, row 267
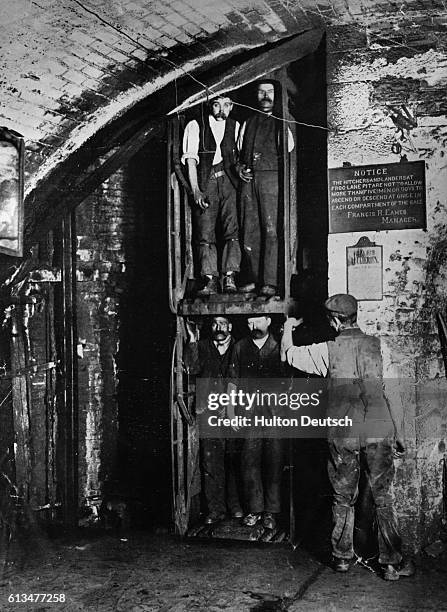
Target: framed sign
column 377, row 197
column 364, row 269
column 11, row 192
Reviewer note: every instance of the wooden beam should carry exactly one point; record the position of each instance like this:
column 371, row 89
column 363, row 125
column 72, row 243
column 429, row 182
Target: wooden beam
column 70, row 379
column 65, row 197
column 264, row 63
column 20, row 405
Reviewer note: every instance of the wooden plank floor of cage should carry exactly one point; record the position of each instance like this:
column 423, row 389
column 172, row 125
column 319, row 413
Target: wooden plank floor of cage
column 234, row 529
column 237, row 303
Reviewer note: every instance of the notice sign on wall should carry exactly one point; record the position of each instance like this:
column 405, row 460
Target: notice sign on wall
column 377, row 197
column 364, row 266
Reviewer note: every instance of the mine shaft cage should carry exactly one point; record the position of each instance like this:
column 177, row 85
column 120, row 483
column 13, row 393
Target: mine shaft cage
column 181, row 269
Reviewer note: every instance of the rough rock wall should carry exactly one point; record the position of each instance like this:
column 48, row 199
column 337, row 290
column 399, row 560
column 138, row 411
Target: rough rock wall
column 103, row 221
column 400, row 61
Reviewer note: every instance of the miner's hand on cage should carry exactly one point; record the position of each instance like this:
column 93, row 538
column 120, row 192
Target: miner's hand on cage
column 292, row 322
column 193, row 331
column 199, row 198
column 246, row 174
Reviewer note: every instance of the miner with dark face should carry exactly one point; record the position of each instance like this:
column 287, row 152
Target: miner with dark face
column 257, row 356
column 209, row 152
column 211, row 358
column 259, row 168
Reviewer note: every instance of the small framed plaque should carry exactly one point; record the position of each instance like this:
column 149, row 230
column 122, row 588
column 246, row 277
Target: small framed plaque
column 364, row 268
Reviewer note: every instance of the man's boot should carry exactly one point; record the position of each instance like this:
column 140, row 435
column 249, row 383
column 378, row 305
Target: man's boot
column 268, row 291
column 247, row 288
column 210, row 286
column 228, row 284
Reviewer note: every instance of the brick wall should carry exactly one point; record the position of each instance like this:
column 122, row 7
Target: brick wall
column 125, row 337
column 102, row 222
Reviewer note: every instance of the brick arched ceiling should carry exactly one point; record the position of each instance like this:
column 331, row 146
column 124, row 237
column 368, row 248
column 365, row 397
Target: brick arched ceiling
column 70, row 67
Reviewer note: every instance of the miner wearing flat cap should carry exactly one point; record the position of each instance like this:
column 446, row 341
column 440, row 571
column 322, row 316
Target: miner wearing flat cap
column 353, row 364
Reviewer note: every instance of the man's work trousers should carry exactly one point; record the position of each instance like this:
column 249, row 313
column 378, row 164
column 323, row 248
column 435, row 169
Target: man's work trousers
column 259, row 225
column 344, row 474
column 262, row 465
column 219, row 468
column 221, row 198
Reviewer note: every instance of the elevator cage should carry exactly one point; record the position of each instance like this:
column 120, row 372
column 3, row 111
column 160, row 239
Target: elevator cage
column 185, row 304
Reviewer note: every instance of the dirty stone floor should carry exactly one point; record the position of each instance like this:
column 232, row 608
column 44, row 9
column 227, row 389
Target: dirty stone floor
column 162, row 573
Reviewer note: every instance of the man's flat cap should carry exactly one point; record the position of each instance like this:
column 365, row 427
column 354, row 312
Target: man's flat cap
column 343, row 303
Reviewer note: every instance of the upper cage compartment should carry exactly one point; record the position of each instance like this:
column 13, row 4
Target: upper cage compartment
column 183, row 269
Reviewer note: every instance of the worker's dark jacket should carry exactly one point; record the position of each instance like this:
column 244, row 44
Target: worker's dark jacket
column 207, row 149
column 356, row 384
column 248, row 361
column 203, row 360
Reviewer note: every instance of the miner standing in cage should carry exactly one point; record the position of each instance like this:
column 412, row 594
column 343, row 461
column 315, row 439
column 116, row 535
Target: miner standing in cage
column 257, row 356
column 211, row 358
column 259, row 166
column 209, row 152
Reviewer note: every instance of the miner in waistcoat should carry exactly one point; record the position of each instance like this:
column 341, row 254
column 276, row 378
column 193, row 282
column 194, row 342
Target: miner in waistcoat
column 259, row 168
column 209, row 152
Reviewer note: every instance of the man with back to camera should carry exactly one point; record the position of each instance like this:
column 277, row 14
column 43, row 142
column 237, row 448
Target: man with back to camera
column 209, row 151
column 257, row 356
column 353, row 362
column 259, row 167
column 211, row 358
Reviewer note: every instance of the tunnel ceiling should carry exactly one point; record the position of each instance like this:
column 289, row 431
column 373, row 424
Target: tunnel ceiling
column 70, row 67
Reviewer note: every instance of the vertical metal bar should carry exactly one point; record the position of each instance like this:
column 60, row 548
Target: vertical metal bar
column 291, row 493
column 169, row 188
column 188, row 235
column 285, row 184
column 293, row 204
column 287, row 262
column 50, row 383
column 176, row 234
column 70, row 369
column 173, row 436
column 178, row 457
column 181, row 450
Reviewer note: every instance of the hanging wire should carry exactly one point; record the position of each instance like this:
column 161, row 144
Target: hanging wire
column 208, row 91
column 321, row 127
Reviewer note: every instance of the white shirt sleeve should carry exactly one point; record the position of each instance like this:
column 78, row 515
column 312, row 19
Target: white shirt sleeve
column 191, row 139
column 313, row 359
column 240, row 138
column 291, row 142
